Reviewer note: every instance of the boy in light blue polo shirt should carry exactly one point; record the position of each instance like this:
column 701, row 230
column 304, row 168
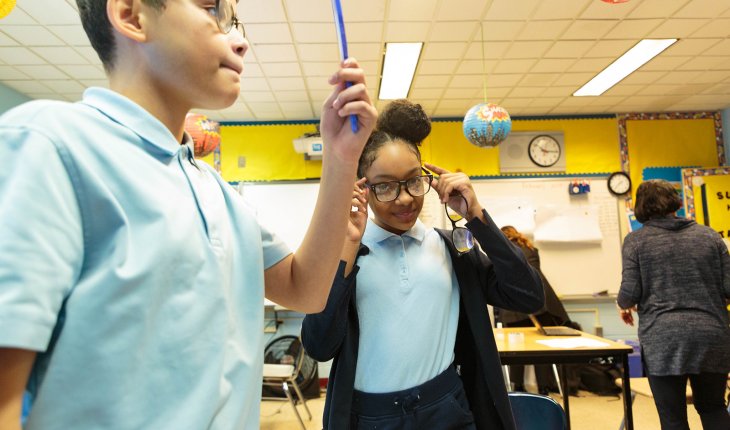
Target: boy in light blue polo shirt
column 132, row 277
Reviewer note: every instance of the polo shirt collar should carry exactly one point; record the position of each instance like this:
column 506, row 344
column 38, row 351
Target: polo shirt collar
column 131, row 115
column 376, row 234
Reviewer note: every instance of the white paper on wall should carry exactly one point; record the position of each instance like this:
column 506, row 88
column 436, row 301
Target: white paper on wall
column 563, row 223
column 517, row 212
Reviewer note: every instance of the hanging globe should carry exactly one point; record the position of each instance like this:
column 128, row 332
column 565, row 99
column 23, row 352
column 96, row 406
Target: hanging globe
column 487, row 125
column 205, row 133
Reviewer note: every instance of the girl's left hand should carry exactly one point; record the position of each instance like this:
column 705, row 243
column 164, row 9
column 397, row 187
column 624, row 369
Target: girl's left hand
column 450, row 185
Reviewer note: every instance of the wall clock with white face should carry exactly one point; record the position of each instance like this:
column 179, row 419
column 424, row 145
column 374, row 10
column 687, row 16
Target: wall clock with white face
column 544, row 150
column 619, row 183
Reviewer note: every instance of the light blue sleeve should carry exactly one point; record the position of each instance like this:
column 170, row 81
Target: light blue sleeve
column 41, row 242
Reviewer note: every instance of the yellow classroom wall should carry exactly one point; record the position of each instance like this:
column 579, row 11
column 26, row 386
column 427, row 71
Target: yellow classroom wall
column 591, row 146
column 670, row 143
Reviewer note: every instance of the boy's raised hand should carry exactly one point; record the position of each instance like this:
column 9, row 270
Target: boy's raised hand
column 449, row 185
column 344, row 101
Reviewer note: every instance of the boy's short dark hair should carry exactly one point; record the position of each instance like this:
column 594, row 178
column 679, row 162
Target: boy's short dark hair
column 99, row 29
column 656, row 198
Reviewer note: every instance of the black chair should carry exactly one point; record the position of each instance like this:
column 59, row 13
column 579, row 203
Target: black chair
column 536, row 412
column 283, row 361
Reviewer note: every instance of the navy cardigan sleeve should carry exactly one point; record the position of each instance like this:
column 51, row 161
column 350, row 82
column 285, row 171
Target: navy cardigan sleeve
column 324, row 332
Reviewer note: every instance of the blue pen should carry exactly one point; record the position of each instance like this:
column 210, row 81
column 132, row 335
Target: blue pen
column 342, row 42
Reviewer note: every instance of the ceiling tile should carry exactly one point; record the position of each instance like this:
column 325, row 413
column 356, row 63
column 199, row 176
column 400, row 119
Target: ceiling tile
column 684, row 47
column 18, row 17
column 281, row 69
column 486, row 49
column 656, row 8
column 543, row 30
column 527, row 49
column 500, row 30
column 425, row 93
column 548, row 65
column 5, row 40
column 568, row 49
column 363, row 11
column 665, row 62
column 19, row 56
column 71, row 34
column 530, row 92
column 677, row 28
column 83, row 72
column 514, row 66
column 366, row 51
column 602, row 10
column 590, row 29
column 286, row 84
column 406, row 31
column 32, row 35
column 437, row 67
column 258, row 96
column 633, row 29
column 453, row 31
column 442, row 51
column 512, row 10
column 60, row 55
column 254, row 84
column 411, row 11
column 577, row 79
column 311, row 10
column 362, row 32
column 11, row 73
column 558, row 91
column 560, row 9
column 43, row 72
column 470, row 81
column 261, row 11
column 644, row 77
column 27, row 86
column 292, row 96
column 475, row 67
column 439, row 81
column 462, row 93
column 539, row 79
column 703, row 9
column 50, row 12
column 276, row 53
column 677, row 77
column 609, row 48
column 320, row 52
column 272, row 32
column 460, row 10
column 593, row 65
column 716, row 28
column 66, row 86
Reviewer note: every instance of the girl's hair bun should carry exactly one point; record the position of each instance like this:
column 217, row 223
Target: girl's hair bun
column 404, row 120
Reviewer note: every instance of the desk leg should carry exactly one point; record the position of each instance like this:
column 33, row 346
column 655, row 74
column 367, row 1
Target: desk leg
column 626, row 384
column 566, row 393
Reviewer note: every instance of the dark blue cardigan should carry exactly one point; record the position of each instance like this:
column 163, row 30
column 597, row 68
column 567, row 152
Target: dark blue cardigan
column 503, row 279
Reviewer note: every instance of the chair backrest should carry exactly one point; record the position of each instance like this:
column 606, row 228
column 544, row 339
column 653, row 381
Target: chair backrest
column 285, row 350
column 536, row 412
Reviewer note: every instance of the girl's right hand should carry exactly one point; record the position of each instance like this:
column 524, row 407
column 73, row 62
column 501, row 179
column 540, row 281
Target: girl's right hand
column 359, row 212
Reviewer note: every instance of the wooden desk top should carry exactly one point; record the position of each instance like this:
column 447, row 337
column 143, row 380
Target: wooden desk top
column 523, row 341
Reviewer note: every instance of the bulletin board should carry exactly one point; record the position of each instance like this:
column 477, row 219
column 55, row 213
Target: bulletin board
column 578, row 236
column 707, row 197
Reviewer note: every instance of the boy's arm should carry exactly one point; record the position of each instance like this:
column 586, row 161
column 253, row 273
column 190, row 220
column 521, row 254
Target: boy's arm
column 15, row 367
column 302, row 281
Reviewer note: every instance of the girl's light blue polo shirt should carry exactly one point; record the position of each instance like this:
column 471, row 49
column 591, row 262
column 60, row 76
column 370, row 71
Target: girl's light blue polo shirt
column 138, row 276
column 407, row 301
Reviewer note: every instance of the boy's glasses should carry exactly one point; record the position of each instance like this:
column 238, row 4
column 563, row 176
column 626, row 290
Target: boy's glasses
column 390, row 190
column 226, row 18
column 461, row 236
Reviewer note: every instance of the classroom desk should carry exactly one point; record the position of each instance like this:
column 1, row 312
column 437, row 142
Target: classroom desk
column 526, row 350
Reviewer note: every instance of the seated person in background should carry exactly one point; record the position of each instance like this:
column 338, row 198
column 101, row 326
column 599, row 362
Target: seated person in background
column 553, row 313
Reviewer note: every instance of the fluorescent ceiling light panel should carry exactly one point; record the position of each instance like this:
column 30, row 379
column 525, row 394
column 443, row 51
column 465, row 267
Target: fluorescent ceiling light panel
column 626, row 64
column 399, row 66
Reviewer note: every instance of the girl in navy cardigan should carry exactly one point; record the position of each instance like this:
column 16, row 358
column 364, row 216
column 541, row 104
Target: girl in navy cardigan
column 406, row 321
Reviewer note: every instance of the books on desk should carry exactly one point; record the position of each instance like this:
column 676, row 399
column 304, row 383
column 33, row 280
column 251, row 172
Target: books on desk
column 572, row 342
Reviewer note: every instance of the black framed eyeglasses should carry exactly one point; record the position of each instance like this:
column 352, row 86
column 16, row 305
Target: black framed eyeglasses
column 461, row 236
column 390, row 190
column 226, row 18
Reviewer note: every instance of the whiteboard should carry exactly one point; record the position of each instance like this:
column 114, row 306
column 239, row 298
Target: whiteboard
column 584, row 264
column 582, row 253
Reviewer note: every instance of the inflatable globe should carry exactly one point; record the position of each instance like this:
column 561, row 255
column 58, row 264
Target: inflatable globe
column 487, row 125
column 205, row 133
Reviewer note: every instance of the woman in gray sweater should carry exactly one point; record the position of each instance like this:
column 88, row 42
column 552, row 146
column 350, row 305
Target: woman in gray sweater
column 676, row 273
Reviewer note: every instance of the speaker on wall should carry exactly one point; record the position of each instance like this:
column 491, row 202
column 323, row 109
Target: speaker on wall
column 532, row 152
